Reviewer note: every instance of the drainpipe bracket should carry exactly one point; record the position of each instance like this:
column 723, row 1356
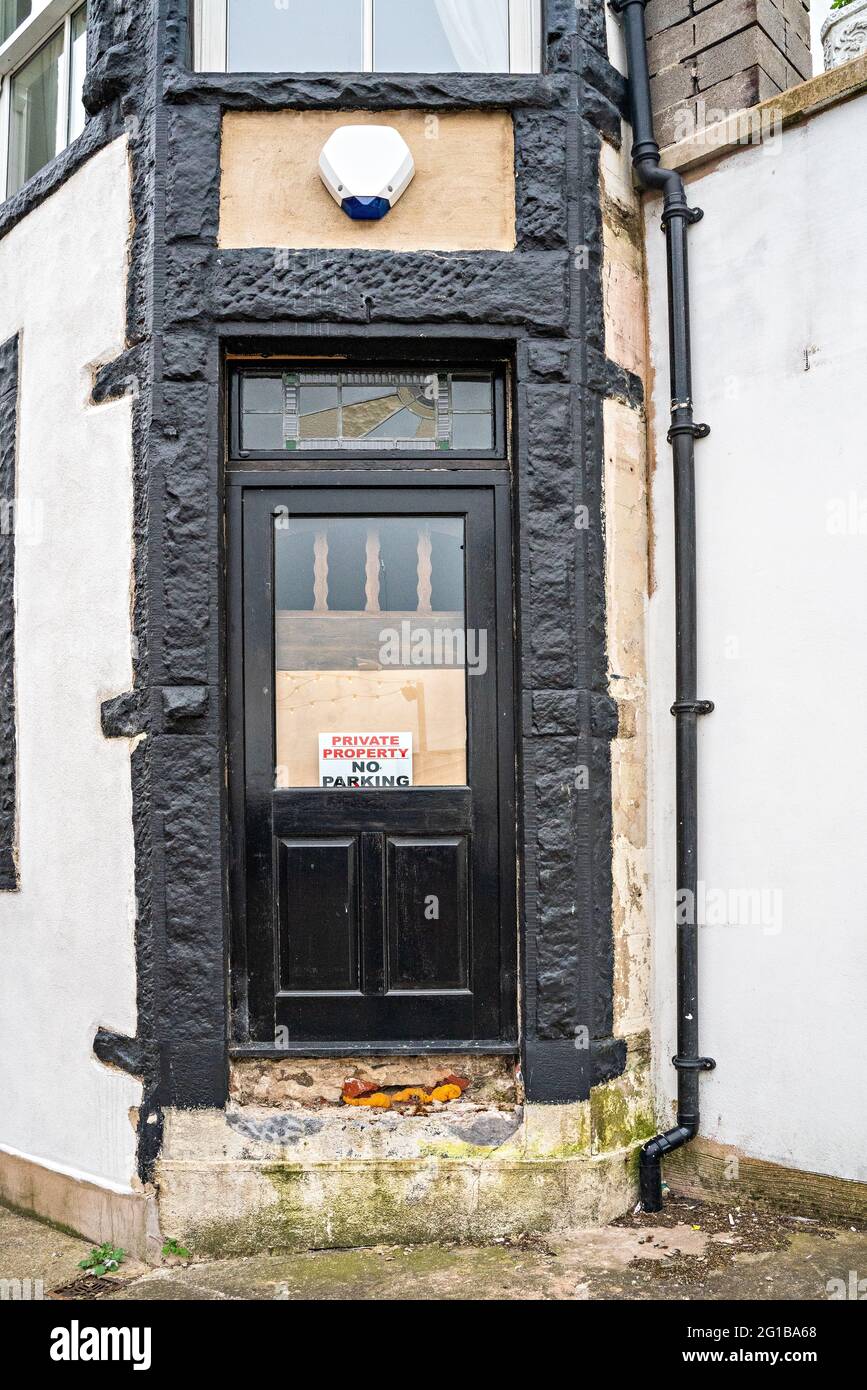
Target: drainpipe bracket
column 693, row 1063
column 693, row 707
column 689, row 215
column 688, row 427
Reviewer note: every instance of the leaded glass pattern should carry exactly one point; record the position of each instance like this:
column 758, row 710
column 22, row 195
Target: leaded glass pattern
column 373, row 411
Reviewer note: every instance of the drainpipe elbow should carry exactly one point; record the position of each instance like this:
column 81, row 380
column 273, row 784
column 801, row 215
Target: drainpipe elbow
column 668, row 182
column 650, row 1161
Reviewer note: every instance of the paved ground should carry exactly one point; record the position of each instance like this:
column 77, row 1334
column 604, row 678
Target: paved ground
column 691, row 1250
column 32, row 1250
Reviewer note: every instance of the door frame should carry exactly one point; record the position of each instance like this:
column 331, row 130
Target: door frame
column 498, row 479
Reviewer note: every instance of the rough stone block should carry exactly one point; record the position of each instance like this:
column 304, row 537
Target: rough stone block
column 797, row 17
column 541, row 180
column 376, row 287
column 798, row 54
column 736, row 54
column 770, row 18
column 671, row 47
column 185, row 702
column 737, row 93
column 549, row 361
column 557, row 712
column 193, row 182
column 550, row 421
column 123, row 717
column 662, row 14
column 675, row 84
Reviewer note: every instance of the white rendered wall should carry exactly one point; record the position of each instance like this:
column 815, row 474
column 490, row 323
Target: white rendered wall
column 779, row 285
column 66, row 938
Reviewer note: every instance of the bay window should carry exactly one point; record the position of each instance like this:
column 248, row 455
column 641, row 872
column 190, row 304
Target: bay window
column 12, row 14
column 368, row 36
column 43, row 59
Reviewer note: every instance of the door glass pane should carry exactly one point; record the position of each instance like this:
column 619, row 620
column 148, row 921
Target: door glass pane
column 441, row 36
column 35, row 95
column 371, row 651
column 295, row 36
column 77, row 70
column 13, row 13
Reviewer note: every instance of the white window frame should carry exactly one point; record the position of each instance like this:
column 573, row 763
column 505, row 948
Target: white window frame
column 46, row 19
column 211, row 36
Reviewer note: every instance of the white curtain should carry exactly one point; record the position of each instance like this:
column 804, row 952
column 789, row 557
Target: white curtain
column 478, row 32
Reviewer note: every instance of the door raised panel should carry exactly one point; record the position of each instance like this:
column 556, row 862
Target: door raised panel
column 318, row 915
column 428, row 922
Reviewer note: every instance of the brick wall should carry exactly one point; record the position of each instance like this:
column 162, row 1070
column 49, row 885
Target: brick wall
column 712, row 57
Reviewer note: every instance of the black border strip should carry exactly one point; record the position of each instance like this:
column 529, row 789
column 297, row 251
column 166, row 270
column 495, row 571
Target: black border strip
column 9, row 881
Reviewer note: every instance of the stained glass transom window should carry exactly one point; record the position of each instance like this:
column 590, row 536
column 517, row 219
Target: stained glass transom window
column 405, row 411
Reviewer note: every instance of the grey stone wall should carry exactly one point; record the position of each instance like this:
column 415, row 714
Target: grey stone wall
column 711, row 57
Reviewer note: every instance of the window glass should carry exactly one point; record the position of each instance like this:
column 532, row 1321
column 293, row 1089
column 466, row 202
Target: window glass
column 263, row 432
column 77, row 70
column 296, row 36
column 371, row 651
column 13, row 13
column 262, row 412
column 35, row 98
column 471, row 432
column 441, row 36
column 354, row 410
column 472, row 393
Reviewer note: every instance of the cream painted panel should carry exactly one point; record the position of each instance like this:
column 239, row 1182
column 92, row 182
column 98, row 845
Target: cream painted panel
column 462, row 197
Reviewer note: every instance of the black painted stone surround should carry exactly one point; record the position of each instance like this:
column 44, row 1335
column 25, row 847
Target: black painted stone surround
column 186, row 301
column 8, row 736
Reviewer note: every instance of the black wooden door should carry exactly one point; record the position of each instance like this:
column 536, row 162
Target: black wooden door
column 378, row 764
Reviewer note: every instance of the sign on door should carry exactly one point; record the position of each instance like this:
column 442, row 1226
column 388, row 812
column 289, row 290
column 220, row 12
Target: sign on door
column 365, row 761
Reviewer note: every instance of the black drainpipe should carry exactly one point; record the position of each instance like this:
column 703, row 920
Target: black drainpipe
column 676, row 218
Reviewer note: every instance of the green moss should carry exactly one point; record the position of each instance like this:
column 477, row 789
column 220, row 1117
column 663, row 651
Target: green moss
column 617, row 1121
column 557, row 1131
column 445, row 1148
column 351, row 1213
column 541, row 1152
